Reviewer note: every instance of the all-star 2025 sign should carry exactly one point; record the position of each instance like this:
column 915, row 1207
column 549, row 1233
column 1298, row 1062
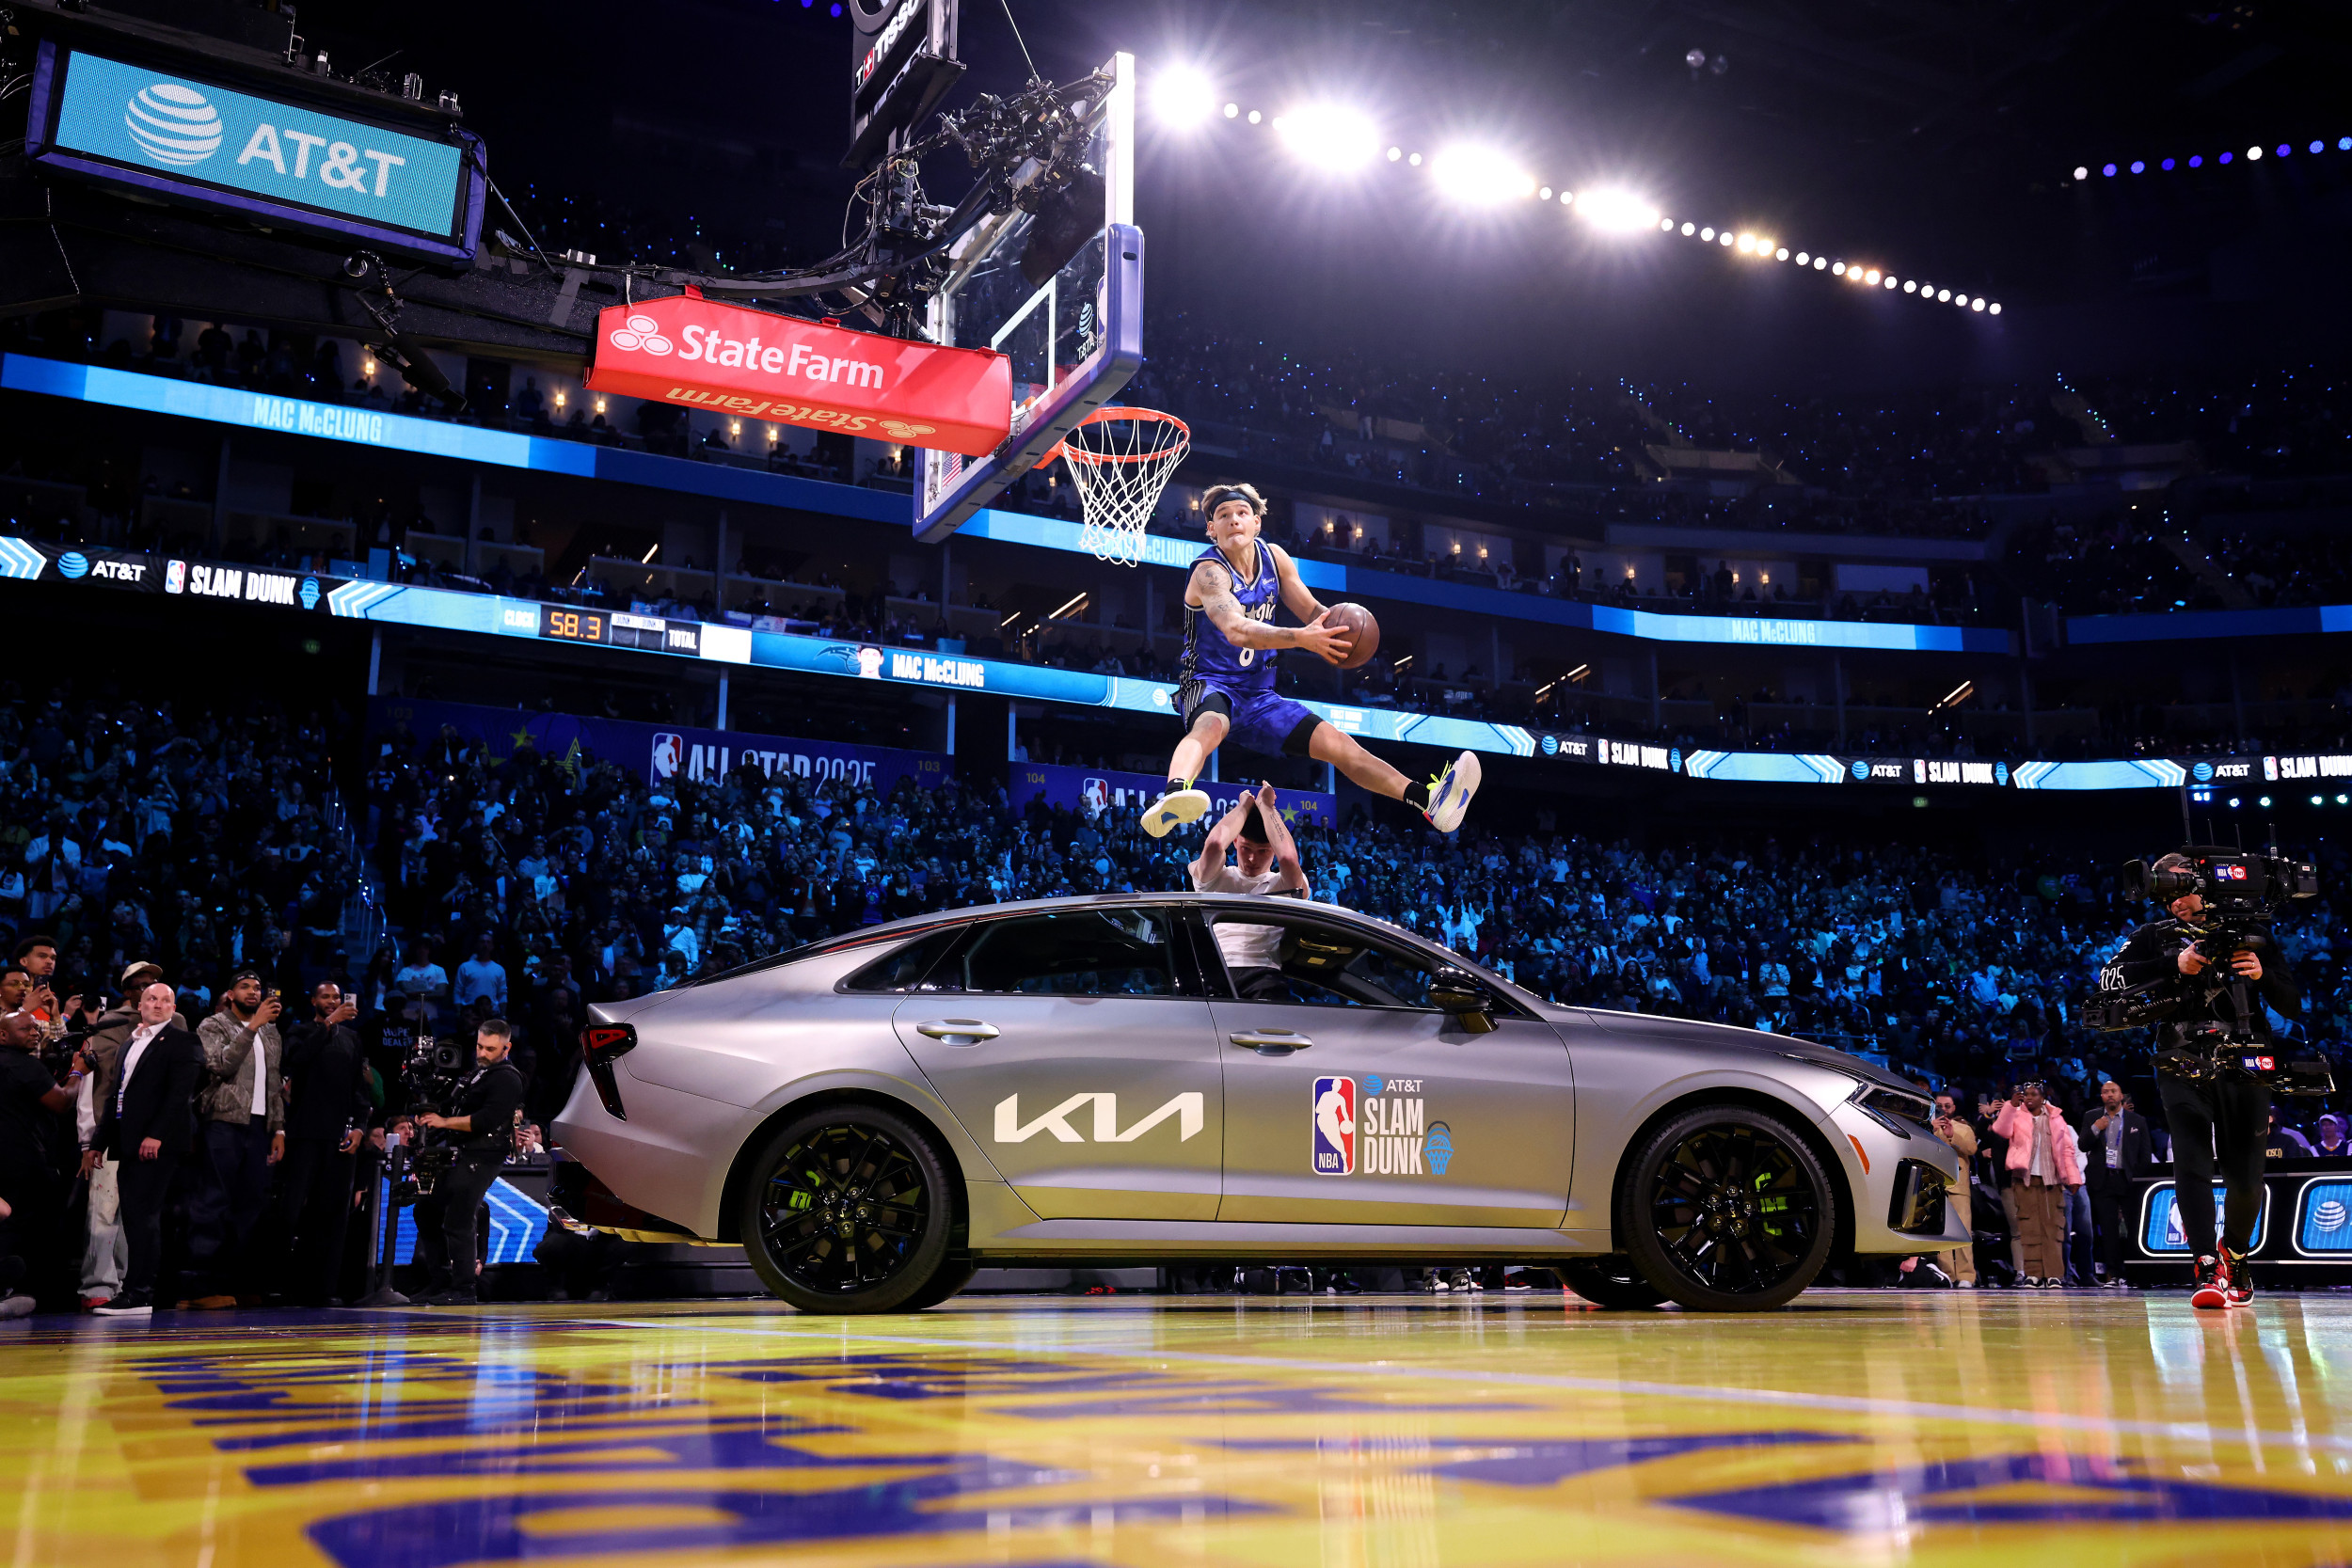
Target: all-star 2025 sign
column 750, row 365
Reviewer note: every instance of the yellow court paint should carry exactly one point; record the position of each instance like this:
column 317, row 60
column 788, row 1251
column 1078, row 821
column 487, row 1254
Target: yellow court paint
column 1850, row 1430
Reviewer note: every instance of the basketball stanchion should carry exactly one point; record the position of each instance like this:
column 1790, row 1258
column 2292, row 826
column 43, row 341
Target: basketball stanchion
column 1121, row 460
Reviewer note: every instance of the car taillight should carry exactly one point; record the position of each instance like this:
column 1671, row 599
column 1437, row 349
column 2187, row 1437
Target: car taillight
column 600, row 1045
column 604, row 1041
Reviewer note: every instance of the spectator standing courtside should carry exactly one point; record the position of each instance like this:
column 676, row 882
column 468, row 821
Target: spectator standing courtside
column 2043, row 1162
column 2115, row 1138
column 1960, row 1261
column 149, row 1126
column 31, row 1105
column 106, row 1253
column 482, row 1133
column 328, row 1106
column 243, row 1108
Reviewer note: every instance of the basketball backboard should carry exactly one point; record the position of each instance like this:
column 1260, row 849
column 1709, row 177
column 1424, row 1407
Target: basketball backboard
column 1074, row 334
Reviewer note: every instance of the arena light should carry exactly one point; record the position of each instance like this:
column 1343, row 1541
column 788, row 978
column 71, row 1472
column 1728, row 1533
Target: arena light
column 1619, row 211
column 1480, row 176
column 1328, row 136
column 1182, row 98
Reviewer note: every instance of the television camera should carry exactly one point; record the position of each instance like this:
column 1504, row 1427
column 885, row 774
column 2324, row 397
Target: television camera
column 2218, row 1023
column 431, row 1074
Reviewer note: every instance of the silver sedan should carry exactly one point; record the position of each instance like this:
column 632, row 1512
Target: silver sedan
column 1153, row 1078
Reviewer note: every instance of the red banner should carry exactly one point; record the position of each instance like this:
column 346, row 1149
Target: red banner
column 750, row 365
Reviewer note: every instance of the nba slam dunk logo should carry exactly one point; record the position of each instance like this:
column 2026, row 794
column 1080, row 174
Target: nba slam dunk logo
column 1335, row 1127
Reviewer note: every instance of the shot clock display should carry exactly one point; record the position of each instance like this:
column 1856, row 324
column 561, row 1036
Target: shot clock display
column 617, row 629
column 571, row 626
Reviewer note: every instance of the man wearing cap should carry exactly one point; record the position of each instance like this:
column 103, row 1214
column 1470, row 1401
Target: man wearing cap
column 242, row 1109
column 1265, row 861
column 107, row 1251
column 2330, row 1143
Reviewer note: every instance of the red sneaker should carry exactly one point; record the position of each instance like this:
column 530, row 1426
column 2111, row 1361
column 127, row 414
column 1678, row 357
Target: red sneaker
column 2213, row 1285
column 2240, row 1290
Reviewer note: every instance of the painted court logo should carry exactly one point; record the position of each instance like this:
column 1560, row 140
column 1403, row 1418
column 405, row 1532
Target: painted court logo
column 1335, row 1127
column 173, row 124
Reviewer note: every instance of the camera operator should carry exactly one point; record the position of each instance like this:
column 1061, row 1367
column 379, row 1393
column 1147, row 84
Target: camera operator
column 2218, row 1112
column 484, row 1126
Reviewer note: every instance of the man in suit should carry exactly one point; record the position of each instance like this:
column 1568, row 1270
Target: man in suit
column 149, row 1126
column 2116, row 1149
column 106, row 1254
column 327, row 1111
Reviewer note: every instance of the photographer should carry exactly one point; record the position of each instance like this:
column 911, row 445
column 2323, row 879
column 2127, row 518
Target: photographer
column 484, row 1128
column 2218, row 1113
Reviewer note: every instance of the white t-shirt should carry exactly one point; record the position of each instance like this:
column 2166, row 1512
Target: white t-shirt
column 1244, row 946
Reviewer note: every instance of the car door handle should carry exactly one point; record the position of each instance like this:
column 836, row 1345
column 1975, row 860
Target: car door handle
column 1271, row 1039
column 957, row 1029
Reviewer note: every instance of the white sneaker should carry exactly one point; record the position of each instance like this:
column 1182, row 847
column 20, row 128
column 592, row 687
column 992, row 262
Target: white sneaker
column 1174, row 809
column 1450, row 793
column 16, row 1307
column 1963, row 1283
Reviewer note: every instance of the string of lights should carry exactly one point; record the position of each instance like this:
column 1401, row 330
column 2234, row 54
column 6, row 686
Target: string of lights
column 1342, row 139
column 2197, row 160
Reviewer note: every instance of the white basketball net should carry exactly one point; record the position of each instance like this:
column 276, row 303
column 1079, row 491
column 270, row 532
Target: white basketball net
column 1119, row 460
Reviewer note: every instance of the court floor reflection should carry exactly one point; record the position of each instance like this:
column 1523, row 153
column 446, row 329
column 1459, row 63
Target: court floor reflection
column 1853, row 1428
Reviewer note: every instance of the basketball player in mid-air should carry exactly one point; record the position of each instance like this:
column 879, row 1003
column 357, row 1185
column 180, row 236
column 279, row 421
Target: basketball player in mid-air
column 1228, row 687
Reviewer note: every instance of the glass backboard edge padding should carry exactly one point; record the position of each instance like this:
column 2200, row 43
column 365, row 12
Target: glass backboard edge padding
column 1058, row 414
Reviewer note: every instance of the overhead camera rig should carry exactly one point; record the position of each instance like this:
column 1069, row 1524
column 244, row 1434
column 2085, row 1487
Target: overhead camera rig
column 183, row 222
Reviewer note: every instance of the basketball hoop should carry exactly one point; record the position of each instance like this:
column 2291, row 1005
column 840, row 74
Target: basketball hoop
column 1119, row 460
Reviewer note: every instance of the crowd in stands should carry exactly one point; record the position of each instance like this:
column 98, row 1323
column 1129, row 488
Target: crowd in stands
column 202, row 850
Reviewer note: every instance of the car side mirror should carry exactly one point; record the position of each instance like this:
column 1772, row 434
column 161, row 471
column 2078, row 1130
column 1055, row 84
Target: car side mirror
column 1458, row 993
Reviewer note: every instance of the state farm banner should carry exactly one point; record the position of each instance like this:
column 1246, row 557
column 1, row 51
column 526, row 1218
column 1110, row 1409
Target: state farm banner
column 1094, row 790
column 657, row 752
column 751, row 365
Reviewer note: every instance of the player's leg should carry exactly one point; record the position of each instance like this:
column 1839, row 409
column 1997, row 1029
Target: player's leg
column 1444, row 800
column 1207, row 721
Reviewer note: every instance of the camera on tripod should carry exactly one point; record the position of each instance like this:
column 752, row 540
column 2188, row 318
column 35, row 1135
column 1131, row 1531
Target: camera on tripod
column 2240, row 893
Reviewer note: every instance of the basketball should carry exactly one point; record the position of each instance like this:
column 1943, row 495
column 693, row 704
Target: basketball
column 1363, row 630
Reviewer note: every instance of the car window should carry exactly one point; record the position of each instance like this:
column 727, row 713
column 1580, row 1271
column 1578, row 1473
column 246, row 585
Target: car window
column 904, row 969
column 1121, row 951
column 1332, row 966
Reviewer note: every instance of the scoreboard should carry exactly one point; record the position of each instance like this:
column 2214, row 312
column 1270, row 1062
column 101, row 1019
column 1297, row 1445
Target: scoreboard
column 651, row 634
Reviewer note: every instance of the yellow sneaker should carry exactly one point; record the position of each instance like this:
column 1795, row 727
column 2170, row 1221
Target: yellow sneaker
column 1173, row 809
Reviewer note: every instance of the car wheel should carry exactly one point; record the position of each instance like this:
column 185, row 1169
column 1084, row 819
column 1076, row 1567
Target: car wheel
column 1612, row 1282
column 1726, row 1209
column 953, row 1275
column 848, row 1210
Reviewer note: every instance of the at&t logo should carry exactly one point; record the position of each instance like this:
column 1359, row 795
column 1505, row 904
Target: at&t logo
column 173, row 124
column 72, row 565
column 1861, row 769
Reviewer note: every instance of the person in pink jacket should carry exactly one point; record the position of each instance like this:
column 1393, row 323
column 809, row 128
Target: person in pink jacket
column 2043, row 1162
